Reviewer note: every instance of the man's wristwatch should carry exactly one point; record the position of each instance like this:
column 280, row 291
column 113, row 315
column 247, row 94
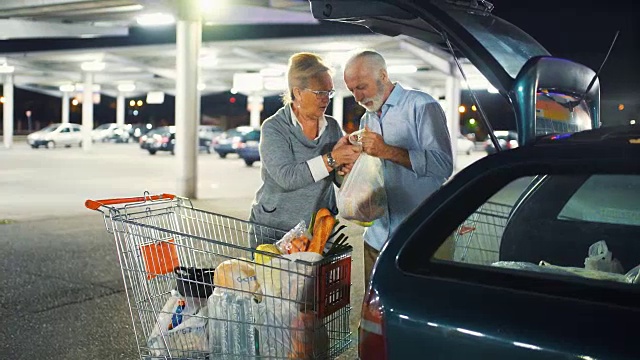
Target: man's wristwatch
column 331, row 161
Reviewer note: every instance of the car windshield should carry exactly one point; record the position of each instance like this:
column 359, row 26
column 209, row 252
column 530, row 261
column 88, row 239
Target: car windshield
column 50, row 128
column 231, row 134
column 210, row 129
column 252, row 136
column 159, row 130
column 510, row 46
column 103, row 127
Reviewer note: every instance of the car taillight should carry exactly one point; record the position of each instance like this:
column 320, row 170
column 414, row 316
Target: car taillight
column 165, row 139
column 241, row 145
column 371, row 345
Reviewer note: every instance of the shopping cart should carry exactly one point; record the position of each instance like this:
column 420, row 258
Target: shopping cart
column 477, row 240
column 271, row 307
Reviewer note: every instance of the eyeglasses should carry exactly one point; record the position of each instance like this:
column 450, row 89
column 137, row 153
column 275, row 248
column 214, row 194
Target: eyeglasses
column 323, row 94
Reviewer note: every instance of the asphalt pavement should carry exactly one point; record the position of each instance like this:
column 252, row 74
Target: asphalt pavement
column 62, row 290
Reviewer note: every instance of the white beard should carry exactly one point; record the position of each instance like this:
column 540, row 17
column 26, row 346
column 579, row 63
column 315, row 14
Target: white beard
column 376, row 101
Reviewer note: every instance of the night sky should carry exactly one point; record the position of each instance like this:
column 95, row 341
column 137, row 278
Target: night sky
column 582, row 31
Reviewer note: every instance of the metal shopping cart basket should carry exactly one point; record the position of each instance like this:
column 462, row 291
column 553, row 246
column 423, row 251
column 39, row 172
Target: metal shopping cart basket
column 198, row 289
column 477, row 240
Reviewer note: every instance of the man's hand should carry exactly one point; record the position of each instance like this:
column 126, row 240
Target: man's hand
column 373, row 144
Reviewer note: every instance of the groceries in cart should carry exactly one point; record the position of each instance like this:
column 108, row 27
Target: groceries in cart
column 181, row 326
column 362, row 197
column 323, row 236
column 234, row 319
column 199, row 287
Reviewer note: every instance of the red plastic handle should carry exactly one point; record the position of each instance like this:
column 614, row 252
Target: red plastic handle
column 96, row 204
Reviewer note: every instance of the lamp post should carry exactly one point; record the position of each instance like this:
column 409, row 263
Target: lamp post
column 66, row 90
column 120, row 105
column 89, row 68
column 7, row 108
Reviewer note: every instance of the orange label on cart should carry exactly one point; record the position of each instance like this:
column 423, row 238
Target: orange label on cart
column 159, row 258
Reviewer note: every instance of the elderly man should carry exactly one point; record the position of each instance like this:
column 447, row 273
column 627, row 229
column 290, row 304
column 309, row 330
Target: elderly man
column 405, row 128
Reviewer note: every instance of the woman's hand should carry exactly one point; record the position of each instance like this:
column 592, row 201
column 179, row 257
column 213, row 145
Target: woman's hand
column 345, row 169
column 345, row 154
column 343, row 141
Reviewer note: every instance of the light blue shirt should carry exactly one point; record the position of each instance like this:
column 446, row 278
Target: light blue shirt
column 412, row 120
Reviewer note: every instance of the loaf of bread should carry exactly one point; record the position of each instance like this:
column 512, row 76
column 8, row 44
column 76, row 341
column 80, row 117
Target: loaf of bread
column 236, row 274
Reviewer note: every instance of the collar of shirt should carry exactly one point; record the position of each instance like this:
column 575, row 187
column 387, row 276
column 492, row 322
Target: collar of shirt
column 322, row 123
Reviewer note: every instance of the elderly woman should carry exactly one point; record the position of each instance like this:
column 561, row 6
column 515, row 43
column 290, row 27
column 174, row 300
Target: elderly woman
column 300, row 149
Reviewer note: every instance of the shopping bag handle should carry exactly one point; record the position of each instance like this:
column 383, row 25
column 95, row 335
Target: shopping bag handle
column 96, row 204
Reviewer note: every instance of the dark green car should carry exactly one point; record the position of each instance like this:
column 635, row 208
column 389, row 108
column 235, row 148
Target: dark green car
column 530, row 253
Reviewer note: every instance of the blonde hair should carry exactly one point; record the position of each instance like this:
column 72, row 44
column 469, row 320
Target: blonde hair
column 303, row 67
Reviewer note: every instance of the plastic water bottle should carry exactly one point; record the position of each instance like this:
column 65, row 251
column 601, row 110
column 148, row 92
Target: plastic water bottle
column 176, row 318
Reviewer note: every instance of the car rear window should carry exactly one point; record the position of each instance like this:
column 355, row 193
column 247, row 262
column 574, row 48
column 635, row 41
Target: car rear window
column 576, row 227
column 611, row 199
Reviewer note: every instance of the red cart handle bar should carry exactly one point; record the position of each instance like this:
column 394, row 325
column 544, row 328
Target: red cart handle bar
column 96, row 204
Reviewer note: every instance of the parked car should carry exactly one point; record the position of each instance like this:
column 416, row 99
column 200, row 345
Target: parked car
column 159, row 139
column 507, row 140
column 505, row 260
column 227, row 142
column 143, row 140
column 164, row 139
column 67, row 134
column 501, row 271
column 206, row 134
column 139, row 129
column 465, row 146
column 249, row 147
column 111, row 132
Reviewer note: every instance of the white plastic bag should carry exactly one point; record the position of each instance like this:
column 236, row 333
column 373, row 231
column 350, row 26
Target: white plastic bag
column 633, row 276
column 287, row 245
column 288, row 287
column 188, row 336
column 601, row 259
column 362, row 196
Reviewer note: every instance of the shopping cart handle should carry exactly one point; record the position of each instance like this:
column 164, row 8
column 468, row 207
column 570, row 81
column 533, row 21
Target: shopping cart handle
column 96, row 204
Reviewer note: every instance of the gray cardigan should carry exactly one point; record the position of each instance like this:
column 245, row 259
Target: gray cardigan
column 288, row 193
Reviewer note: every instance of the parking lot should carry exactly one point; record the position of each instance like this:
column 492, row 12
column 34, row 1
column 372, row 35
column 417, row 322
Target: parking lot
column 62, row 288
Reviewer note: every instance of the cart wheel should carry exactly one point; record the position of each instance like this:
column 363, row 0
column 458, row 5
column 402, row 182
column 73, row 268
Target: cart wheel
column 51, row 145
column 152, row 152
